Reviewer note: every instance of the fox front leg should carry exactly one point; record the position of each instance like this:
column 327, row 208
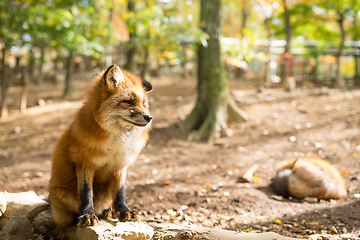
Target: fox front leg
column 121, row 209
column 87, row 215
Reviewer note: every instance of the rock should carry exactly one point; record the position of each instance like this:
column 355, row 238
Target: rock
column 21, row 203
column 179, row 232
column 17, row 228
column 277, row 197
column 2, row 205
column 44, row 223
column 113, row 230
column 311, row 199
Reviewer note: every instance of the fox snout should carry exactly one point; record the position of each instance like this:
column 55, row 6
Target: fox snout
column 139, row 118
column 144, row 119
column 148, row 118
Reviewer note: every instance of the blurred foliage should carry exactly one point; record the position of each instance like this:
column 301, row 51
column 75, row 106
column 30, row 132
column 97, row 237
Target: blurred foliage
column 89, row 26
column 161, row 26
column 80, row 26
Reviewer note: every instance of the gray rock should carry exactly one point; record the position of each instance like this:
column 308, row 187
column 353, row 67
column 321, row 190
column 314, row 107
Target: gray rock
column 178, row 232
column 17, row 228
column 44, row 223
column 2, row 205
column 114, row 230
column 20, row 203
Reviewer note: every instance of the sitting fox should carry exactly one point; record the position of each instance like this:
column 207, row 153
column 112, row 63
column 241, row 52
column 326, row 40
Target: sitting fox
column 91, row 159
column 308, row 177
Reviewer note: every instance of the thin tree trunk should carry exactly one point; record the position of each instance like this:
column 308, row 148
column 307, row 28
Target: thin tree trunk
column 283, row 67
column 17, row 68
column 109, row 59
column 268, row 82
column 69, row 88
column 244, row 16
column 131, row 55
column 56, row 67
column 39, row 79
column 356, row 76
column 183, row 62
column 214, row 108
column 4, row 85
column 339, row 80
column 24, row 82
column 31, row 65
column 357, row 48
column 145, row 67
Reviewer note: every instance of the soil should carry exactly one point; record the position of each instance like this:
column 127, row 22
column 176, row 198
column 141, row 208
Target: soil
column 181, row 181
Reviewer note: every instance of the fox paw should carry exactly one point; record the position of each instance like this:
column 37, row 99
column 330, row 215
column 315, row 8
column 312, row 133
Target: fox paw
column 128, row 216
column 87, row 220
column 106, row 214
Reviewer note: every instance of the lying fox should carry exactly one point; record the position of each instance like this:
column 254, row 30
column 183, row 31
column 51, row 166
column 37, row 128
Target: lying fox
column 91, row 159
column 309, row 177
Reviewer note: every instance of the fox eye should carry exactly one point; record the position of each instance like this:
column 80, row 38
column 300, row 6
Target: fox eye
column 126, row 101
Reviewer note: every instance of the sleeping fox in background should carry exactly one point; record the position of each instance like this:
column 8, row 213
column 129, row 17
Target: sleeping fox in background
column 91, row 159
column 308, row 177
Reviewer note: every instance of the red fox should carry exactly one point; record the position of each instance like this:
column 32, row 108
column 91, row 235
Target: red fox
column 91, row 159
column 309, row 177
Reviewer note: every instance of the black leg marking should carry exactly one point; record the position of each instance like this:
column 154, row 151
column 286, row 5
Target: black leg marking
column 86, row 210
column 121, row 209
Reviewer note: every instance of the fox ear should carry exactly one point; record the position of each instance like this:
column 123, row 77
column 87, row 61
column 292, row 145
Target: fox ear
column 113, row 76
column 147, row 86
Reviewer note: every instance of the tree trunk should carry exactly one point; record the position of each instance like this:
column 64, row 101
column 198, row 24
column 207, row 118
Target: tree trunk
column 214, row 107
column 4, row 85
column 268, row 82
column 183, row 62
column 356, row 76
column 55, row 71
column 244, row 16
column 356, row 49
column 283, row 67
column 131, row 55
column 24, row 82
column 31, row 65
column 69, row 88
column 340, row 83
column 109, row 59
column 146, row 59
column 39, row 79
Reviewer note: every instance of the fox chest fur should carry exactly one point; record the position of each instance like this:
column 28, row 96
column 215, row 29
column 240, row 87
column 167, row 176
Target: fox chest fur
column 122, row 149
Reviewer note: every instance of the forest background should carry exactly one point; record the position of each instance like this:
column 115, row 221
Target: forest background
column 50, row 51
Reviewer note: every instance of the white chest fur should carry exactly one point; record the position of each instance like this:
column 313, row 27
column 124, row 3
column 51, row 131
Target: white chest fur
column 122, row 149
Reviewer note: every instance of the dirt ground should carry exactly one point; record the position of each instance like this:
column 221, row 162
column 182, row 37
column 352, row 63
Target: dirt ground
column 183, row 181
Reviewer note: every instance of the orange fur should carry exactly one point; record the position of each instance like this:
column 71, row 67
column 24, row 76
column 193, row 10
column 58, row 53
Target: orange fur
column 310, row 177
column 105, row 137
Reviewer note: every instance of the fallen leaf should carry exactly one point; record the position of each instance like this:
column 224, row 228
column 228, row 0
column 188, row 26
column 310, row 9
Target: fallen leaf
column 256, row 179
column 249, row 229
column 333, row 229
column 224, row 217
column 207, row 186
column 333, row 145
column 278, row 222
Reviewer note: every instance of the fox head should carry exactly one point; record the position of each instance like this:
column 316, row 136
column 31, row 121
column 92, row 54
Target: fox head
column 123, row 100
